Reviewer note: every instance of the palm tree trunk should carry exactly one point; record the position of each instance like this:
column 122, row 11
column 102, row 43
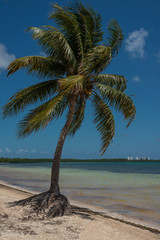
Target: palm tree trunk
column 54, row 187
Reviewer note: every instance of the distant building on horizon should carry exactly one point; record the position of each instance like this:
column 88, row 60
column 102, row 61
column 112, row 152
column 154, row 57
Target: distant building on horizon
column 145, row 158
column 138, row 158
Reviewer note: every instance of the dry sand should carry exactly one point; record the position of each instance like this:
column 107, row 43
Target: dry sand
column 83, row 224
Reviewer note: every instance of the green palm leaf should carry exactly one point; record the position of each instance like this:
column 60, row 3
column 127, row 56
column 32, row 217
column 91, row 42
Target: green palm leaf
column 78, row 116
column 112, row 80
column 119, row 101
column 42, row 115
column 104, row 122
column 115, row 37
column 41, row 66
column 30, row 95
column 97, row 59
column 90, row 24
column 54, row 43
column 75, row 83
column 68, row 24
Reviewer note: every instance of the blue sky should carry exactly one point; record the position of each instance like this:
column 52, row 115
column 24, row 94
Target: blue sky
column 138, row 60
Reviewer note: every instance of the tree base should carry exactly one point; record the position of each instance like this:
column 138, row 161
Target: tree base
column 46, row 204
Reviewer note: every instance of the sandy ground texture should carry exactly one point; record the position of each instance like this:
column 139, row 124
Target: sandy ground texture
column 83, row 224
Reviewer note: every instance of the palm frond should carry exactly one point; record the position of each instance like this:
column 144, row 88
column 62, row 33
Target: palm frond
column 119, row 101
column 115, row 37
column 90, row 24
column 78, row 116
column 68, row 24
column 42, row 115
column 98, row 34
column 29, row 95
column 104, row 121
column 112, row 80
column 41, row 66
column 54, row 43
column 86, row 25
column 97, row 59
column 75, row 83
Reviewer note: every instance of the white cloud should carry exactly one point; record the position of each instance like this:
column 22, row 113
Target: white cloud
column 135, row 43
column 136, row 79
column 33, row 151
column 22, row 150
column 1, row 150
column 7, row 150
column 5, row 58
column 44, row 152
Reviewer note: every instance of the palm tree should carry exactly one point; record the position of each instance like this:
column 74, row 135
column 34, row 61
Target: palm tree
column 75, row 57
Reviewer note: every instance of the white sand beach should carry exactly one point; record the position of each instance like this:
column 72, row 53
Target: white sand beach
column 83, row 224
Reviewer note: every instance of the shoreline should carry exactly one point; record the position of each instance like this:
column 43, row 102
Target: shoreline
column 93, row 210
column 72, row 160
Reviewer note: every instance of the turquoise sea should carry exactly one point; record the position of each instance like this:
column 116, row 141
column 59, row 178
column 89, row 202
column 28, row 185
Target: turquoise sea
column 128, row 188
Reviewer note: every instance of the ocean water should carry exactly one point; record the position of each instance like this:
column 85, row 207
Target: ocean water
column 127, row 188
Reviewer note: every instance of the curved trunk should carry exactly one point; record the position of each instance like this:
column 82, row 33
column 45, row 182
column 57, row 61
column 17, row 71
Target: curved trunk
column 54, row 187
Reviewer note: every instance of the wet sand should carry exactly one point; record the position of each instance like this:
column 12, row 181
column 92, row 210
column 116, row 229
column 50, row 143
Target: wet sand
column 83, row 224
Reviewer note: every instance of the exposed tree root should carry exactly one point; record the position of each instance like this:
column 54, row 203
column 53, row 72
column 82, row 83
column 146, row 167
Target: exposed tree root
column 46, row 204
